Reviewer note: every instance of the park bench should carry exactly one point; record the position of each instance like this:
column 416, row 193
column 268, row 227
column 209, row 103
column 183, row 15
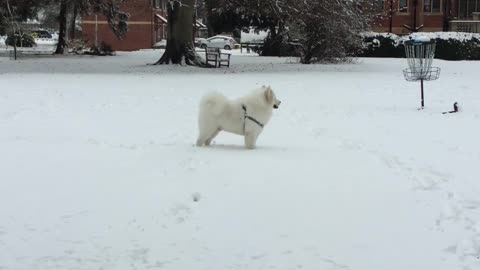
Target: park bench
column 217, row 57
column 251, row 46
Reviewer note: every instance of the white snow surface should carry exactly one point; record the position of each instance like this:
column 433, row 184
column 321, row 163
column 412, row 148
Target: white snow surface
column 98, row 168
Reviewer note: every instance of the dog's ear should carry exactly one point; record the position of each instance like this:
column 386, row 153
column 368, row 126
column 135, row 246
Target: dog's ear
column 269, row 94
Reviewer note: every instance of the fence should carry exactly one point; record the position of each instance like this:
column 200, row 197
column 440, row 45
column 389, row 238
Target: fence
column 468, row 26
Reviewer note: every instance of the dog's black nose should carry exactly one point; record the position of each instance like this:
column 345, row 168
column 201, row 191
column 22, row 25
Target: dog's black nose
column 275, row 106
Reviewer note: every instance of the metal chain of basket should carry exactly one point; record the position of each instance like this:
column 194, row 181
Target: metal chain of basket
column 420, row 53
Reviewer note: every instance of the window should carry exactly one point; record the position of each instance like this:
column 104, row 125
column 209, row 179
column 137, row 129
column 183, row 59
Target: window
column 379, row 5
column 467, row 7
column 431, row 6
column 427, row 6
column 403, row 6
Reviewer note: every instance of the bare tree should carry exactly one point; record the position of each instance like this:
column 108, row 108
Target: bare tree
column 14, row 28
column 180, row 48
column 62, row 20
column 265, row 15
column 76, row 8
column 117, row 20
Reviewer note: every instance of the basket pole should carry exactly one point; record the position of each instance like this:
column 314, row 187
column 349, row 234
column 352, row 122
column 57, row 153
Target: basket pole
column 421, row 86
column 420, row 55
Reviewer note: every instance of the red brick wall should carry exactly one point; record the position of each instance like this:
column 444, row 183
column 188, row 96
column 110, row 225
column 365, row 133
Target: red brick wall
column 431, row 22
column 139, row 10
column 141, row 33
column 138, row 37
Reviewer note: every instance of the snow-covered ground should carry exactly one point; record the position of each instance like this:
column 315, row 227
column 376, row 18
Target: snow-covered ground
column 98, row 168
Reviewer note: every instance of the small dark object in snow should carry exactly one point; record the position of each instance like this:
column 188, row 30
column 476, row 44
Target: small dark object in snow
column 455, row 108
column 196, row 197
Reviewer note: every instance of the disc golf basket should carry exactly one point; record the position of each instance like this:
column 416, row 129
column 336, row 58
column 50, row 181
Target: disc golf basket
column 420, row 53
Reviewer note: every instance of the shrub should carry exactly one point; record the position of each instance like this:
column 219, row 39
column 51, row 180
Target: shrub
column 449, row 45
column 24, row 40
column 454, row 49
column 278, row 46
column 381, row 46
column 77, row 46
column 104, row 50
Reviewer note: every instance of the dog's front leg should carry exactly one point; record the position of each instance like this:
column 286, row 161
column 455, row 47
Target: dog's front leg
column 250, row 140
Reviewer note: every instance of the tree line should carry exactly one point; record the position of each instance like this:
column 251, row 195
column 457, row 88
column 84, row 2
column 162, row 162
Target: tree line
column 314, row 30
column 12, row 12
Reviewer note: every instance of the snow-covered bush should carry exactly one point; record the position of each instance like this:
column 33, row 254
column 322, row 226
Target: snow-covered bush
column 450, row 45
column 381, row 45
column 104, row 50
column 24, row 40
column 327, row 31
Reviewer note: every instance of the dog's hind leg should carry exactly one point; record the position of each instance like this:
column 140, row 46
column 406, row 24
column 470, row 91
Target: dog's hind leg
column 206, row 136
column 209, row 140
column 200, row 141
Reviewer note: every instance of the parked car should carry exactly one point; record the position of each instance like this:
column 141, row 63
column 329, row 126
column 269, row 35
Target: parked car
column 222, row 42
column 198, row 41
column 40, row 34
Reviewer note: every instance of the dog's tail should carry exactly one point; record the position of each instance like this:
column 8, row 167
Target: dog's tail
column 214, row 102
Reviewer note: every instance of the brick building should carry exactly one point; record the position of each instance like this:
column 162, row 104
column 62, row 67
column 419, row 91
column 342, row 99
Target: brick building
column 427, row 15
column 147, row 26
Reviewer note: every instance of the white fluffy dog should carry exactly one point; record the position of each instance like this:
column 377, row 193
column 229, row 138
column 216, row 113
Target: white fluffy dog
column 245, row 116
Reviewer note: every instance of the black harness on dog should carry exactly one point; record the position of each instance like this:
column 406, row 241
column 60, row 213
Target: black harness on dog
column 246, row 116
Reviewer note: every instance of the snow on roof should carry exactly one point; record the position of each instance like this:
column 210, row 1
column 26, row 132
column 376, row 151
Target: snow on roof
column 220, row 36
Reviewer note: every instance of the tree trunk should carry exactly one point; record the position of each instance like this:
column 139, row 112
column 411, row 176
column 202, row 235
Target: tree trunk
column 73, row 22
column 180, row 47
column 14, row 32
column 307, row 56
column 63, row 28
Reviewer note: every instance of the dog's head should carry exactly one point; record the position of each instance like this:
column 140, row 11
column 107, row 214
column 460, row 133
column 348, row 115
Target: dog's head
column 270, row 97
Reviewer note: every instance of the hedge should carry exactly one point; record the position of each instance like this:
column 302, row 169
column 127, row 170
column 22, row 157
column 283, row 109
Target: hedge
column 24, row 40
column 449, row 45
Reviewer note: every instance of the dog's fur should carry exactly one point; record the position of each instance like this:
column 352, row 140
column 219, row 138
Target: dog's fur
column 218, row 113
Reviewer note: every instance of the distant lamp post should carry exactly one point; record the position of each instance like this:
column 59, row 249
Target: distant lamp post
column 96, row 30
column 390, row 15
column 415, row 4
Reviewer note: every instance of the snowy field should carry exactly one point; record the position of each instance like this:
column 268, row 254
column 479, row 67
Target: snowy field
column 98, row 168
